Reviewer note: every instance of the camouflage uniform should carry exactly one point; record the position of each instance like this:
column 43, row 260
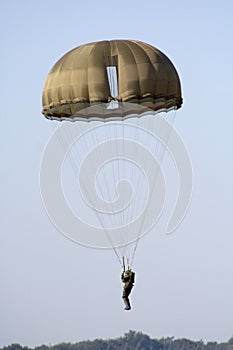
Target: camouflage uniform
column 127, row 278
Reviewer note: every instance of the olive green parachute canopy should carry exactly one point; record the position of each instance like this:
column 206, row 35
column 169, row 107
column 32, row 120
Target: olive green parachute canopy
column 78, row 85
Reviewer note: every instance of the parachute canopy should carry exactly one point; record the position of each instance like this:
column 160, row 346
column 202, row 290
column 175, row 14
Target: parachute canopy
column 143, row 76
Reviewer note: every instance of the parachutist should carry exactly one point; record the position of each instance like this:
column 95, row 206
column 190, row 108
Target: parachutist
column 127, row 278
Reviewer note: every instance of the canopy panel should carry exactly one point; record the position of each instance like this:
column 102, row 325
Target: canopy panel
column 145, row 76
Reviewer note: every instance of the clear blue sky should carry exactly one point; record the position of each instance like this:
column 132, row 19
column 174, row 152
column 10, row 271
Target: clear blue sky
column 53, row 290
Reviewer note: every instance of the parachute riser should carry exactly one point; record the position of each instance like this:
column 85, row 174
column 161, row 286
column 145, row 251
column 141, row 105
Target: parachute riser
column 123, row 263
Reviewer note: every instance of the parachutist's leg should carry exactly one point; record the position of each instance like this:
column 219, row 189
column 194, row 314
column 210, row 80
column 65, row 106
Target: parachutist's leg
column 127, row 303
column 125, row 297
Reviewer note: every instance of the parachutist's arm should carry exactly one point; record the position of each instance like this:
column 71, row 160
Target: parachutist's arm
column 123, row 264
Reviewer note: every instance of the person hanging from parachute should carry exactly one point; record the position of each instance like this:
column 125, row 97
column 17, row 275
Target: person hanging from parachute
column 108, row 81
column 128, row 278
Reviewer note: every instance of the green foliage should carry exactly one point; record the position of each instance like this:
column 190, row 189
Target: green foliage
column 15, row 347
column 132, row 341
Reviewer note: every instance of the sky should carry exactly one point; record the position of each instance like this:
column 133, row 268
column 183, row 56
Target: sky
column 53, row 290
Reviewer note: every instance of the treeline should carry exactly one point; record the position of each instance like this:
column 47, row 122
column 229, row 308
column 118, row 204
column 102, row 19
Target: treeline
column 132, row 341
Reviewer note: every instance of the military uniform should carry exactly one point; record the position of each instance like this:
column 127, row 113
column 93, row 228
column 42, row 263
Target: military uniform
column 127, row 278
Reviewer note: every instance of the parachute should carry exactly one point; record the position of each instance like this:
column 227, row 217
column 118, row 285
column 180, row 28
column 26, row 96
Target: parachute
column 145, row 76
column 110, row 82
